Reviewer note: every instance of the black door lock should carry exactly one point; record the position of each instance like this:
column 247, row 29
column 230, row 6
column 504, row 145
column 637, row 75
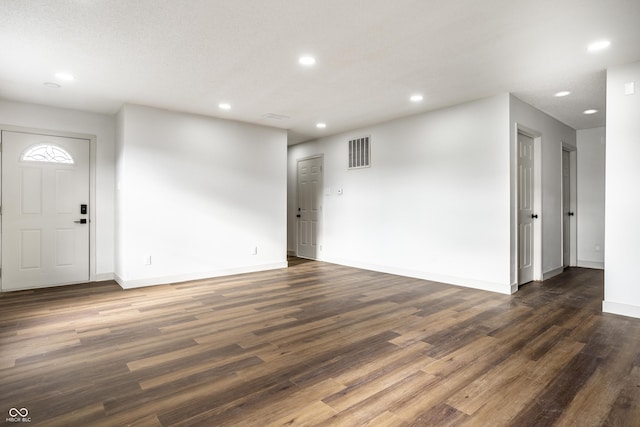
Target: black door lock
column 83, row 209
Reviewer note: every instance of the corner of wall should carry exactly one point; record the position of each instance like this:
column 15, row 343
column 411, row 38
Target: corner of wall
column 118, row 202
column 622, row 293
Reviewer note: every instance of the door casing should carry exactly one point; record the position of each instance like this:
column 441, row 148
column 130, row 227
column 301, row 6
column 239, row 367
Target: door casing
column 573, row 206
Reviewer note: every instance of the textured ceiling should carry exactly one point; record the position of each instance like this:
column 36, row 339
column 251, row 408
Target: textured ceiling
column 371, row 56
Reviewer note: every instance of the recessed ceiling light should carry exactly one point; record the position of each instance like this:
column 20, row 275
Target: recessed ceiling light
column 599, row 45
column 224, row 106
column 562, row 93
column 416, row 98
column 65, row 76
column 307, row 60
column 52, row 85
column 592, row 111
column 321, row 125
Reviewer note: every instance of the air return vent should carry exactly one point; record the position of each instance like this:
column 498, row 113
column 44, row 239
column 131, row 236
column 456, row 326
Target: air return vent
column 360, row 153
column 274, row 116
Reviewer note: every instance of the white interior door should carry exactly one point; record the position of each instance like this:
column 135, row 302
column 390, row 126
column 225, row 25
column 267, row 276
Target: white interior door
column 309, row 206
column 566, row 208
column 526, row 214
column 45, row 218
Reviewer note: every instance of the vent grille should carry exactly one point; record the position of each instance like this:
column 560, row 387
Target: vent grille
column 275, row 116
column 359, row 153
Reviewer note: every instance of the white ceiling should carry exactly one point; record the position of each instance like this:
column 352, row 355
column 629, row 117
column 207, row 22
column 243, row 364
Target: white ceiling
column 190, row 55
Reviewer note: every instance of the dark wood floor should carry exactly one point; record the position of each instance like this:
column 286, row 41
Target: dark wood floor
column 319, row 344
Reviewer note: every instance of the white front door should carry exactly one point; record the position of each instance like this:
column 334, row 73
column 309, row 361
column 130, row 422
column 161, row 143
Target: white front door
column 309, row 206
column 526, row 214
column 45, row 210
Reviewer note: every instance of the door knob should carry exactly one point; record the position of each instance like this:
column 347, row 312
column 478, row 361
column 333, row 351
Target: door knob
column 534, row 216
column 81, row 221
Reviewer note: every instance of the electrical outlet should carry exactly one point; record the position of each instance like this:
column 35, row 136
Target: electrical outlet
column 254, row 250
column 147, row 260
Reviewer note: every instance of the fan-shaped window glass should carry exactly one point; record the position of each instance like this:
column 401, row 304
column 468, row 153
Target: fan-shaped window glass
column 47, row 153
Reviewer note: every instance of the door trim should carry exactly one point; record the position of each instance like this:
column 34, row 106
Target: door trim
column 319, row 230
column 537, row 202
column 92, row 185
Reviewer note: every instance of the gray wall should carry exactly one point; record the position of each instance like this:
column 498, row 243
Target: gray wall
column 591, row 197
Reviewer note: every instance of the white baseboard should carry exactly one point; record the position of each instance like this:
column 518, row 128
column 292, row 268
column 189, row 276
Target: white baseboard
column 119, row 280
column 103, row 277
column 621, row 309
column 591, row 264
column 96, row 278
column 449, row 280
column 552, row 273
column 514, row 288
column 152, row 281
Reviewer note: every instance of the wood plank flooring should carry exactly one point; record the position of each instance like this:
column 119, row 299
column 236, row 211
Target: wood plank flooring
column 319, row 344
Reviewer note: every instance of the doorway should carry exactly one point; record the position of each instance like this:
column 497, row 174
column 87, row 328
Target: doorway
column 528, row 205
column 45, row 210
column 526, row 212
column 309, row 210
column 569, row 207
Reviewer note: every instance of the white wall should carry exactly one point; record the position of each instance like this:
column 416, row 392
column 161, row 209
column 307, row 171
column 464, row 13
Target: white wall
column 197, row 194
column 590, row 211
column 622, row 256
column 435, row 203
column 553, row 134
column 72, row 121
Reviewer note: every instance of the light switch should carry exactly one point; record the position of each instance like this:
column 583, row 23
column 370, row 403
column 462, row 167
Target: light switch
column 630, row 88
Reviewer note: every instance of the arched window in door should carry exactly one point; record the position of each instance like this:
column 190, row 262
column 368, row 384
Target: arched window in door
column 47, row 153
